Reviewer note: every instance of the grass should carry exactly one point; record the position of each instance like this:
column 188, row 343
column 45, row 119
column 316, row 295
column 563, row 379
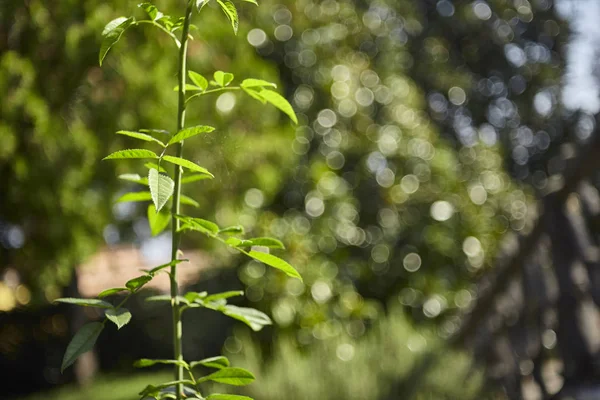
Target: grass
column 105, row 387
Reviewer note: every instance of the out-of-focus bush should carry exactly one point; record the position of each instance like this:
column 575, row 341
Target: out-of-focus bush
column 345, row 367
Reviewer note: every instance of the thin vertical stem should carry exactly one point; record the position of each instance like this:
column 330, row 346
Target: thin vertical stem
column 177, row 325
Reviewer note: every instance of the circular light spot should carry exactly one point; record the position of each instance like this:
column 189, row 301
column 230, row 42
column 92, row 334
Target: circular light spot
column 409, row 184
column 457, row 95
column 225, row 103
column 257, row 37
column 254, row 198
column 320, row 291
column 432, row 307
column 472, row 246
column 441, row 210
column 445, row 8
column 482, row 11
column 327, row 118
column 412, row 262
column 478, row 194
column 385, row 177
column 364, row 97
column 283, row 33
column 315, row 207
column 345, row 352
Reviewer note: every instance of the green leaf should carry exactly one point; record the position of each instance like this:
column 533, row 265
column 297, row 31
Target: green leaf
column 120, row 316
column 251, row 82
column 198, row 80
column 253, row 318
column 218, row 362
column 161, row 131
column 251, row 1
column 163, row 266
column 111, row 291
column 151, row 10
column 254, row 94
column 139, row 282
column 82, row 342
column 231, row 12
column 193, row 296
column 151, row 165
column 188, row 200
column 135, row 178
column 237, row 242
column 222, row 396
column 146, row 362
column 112, row 33
column 229, row 376
column 142, row 136
column 233, row 230
column 280, row 102
column 167, row 297
column 150, row 390
column 85, row 302
column 131, row 153
column 275, row 262
column 223, row 78
column 199, row 224
column 158, row 221
column 194, row 178
column 189, row 132
column 201, row 3
column 161, row 188
column 224, row 295
column 135, row 196
column 189, row 87
column 187, row 164
column 265, row 242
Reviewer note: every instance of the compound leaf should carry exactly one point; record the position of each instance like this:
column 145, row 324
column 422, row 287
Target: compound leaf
column 275, row 262
column 231, row 12
column 85, row 302
column 189, row 132
column 187, row 164
column 131, row 153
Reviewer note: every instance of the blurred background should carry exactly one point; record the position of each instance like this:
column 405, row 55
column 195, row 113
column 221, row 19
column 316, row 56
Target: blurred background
column 439, row 197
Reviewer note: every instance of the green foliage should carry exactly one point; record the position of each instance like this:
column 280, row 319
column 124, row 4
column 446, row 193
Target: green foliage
column 163, row 189
column 82, row 342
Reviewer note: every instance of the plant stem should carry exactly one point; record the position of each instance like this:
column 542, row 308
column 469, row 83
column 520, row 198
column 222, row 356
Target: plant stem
column 177, row 325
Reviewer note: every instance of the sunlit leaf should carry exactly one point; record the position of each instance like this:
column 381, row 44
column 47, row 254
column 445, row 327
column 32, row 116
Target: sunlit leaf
column 266, row 242
column 253, row 318
column 139, row 282
column 135, row 178
column 131, row 153
column 135, row 196
column 198, row 80
column 112, row 33
column 230, row 376
column 224, row 295
column 85, row 302
column 218, row 362
column 200, row 4
column 161, row 188
column 82, row 342
column 151, row 10
column 193, row 296
column 190, row 132
column 187, row 164
column 199, row 224
column 142, row 136
column 189, row 88
column 251, row 82
column 111, row 291
column 231, row 12
column 120, row 317
column 233, row 230
column 275, row 262
column 280, row 102
column 188, row 200
column 158, row 221
column 223, row 78
column 194, row 178
column 254, row 94
column 145, row 362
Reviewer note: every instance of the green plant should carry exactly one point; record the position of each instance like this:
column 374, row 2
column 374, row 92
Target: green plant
column 165, row 192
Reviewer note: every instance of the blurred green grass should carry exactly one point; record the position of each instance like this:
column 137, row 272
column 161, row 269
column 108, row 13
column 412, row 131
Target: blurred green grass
column 105, row 387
